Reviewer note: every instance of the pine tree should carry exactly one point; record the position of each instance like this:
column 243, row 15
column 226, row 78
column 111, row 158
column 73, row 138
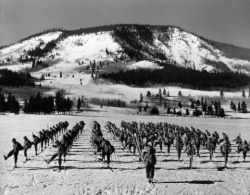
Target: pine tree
column 12, row 104
column 148, row 94
column 164, row 92
column 187, row 112
column 146, row 107
column 221, row 112
column 243, row 107
column 243, row 93
column 168, row 94
column 234, row 107
column 59, row 101
column 231, row 105
column 216, row 108
column 69, row 104
column 179, row 93
column 160, row 93
column 165, row 105
column 204, row 107
column 79, row 104
column 198, row 103
column 239, row 107
column 192, row 105
column 210, row 110
column 141, row 98
column 26, row 106
column 168, row 110
column 221, row 93
column 2, row 103
column 42, row 77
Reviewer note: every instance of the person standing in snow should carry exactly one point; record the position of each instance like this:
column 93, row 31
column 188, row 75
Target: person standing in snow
column 60, row 151
column 26, row 145
column 36, row 140
column 15, row 151
column 225, row 148
column 150, row 162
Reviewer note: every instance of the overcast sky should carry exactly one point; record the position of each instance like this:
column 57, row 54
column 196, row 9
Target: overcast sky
column 222, row 20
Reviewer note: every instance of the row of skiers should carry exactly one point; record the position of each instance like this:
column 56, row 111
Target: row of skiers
column 102, row 146
column 44, row 137
column 146, row 151
column 63, row 146
column 134, row 136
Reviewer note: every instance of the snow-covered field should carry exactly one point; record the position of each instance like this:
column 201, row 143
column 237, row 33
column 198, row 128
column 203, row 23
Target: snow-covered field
column 78, row 84
column 83, row 174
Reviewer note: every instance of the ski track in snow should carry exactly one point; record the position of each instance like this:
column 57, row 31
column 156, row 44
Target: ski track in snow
column 83, row 174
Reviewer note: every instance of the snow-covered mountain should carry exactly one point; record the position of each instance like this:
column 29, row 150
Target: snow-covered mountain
column 158, row 44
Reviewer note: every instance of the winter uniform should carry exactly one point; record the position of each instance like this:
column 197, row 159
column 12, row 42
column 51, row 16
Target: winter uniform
column 26, row 145
column 36, row 140
column 150, row 162
column 60, row 151
column 245, row 148
column 15, row 151
column 107, row 149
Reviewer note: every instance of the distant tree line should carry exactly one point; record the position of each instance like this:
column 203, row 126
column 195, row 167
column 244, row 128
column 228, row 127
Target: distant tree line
column 9, row 104
column 108, row 102
column 171, row 74
column 15, row 79
column 202, row 106
column 240, row 107
column 62, row 103
column 39, row 104
column 48, row 104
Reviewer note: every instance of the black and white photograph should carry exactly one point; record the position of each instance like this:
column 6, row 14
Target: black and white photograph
column 124, row 97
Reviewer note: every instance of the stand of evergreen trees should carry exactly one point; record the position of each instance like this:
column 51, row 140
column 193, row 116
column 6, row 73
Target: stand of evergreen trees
column 241, row 107
column 174, row 75
column 48, row 104
column 108, row 102
column 63, row 104
column 9, row 104
column 15, row 79
column 202, row 106
column 39, row 104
